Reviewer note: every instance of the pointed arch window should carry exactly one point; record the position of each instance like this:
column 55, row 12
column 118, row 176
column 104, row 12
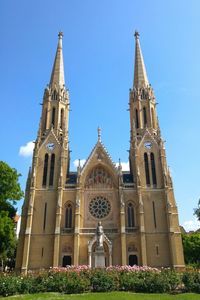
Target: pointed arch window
column 154, row 214
column 153, row 169
column 130, row 215
column 45, row 119
column 143, row 94
column 54, row 95
column 153, row 118
column 61, row 118
column 136, row 119
column 45, row 169
column 45, row 216
column 68, row 216
column 146, row 165
column 145, row 116
column 53, row 116
column 51, row 175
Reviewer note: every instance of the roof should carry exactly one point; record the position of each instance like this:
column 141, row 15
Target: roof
column 127, row 178
column 71, row 178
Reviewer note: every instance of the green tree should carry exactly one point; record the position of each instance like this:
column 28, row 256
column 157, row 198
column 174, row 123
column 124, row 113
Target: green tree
column 10, row 190
column 191, row 248
column 197, row 211
column 7, row 238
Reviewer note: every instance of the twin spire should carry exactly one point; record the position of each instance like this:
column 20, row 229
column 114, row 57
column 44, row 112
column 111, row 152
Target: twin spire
column 140, row 74
column 57, row 75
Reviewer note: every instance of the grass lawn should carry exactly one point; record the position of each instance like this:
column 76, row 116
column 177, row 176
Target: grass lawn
column 105, row 296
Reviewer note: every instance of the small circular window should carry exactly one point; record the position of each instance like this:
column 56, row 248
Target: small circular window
column 99, row 207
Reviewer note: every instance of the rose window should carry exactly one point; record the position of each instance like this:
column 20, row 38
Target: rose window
column 99, row 207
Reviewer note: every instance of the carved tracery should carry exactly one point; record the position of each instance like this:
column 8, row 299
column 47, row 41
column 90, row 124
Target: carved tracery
column 99, row 178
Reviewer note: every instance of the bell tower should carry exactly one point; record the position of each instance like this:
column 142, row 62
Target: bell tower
column 42, row 209
column 157, row 210
column 145, row 131
column 56, row 99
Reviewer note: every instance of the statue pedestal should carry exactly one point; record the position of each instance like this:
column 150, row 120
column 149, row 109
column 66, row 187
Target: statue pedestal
column 99, row 258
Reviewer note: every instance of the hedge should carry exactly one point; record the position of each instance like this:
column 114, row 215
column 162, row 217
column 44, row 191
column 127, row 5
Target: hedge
column 83, row 279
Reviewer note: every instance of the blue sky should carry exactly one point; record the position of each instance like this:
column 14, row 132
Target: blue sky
column 98, row 51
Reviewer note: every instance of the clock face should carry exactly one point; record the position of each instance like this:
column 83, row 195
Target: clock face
column 50, row 146
column 148, row 145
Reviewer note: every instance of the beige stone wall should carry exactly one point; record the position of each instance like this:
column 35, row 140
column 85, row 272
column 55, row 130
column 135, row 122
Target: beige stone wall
column 41, row 258
column 162, row 259
column 110, row 221
column 157, row 238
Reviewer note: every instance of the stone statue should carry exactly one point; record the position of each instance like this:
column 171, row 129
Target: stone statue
column 99, row 234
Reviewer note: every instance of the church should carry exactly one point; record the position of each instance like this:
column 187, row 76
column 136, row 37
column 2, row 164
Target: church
column 99, row 215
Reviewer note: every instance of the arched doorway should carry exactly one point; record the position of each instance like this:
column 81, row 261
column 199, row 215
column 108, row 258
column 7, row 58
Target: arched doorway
column 132, row 260
column 67, row 260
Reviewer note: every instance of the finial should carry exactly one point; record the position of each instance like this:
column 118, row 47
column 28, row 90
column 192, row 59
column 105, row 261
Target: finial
column 60, row 35
column 79, row 167
column 99, row 134
column 120, row 169
column 136, row 35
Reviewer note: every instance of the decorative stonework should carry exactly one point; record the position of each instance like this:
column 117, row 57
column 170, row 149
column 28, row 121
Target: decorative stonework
column 99, row 207
column 66, row 249
column 99, row 178
column 132, row 248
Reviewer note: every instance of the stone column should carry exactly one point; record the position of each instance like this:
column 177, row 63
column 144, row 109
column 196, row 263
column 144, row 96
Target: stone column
column 142, row 230
column 28, row 230
column 77, row 228
column 56, row 254
column 90, row 259
column 27, row 239
column 177, row 259
column 110, row 257
column 123, row 226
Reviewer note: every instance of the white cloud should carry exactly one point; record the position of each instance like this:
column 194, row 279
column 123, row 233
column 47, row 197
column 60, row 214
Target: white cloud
column 76, row 162
column 191, row 225
column 125, row 166
column 27, row 150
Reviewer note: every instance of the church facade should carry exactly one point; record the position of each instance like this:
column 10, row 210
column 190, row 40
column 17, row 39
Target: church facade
column 62, row 209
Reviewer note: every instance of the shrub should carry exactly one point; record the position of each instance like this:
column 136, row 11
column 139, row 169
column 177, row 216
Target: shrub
column 150, row 281
column 68, row 282
column 191, row 281
column 9, row 285
column 172, row 278
column 146, row 282
column 82, row 279
column 103, row 281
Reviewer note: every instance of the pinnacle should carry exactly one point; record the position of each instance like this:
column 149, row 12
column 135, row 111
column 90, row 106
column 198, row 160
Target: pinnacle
column 140, row 75
column 57, row 75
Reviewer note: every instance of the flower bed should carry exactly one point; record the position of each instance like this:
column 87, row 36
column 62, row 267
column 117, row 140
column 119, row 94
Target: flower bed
column 82, row 279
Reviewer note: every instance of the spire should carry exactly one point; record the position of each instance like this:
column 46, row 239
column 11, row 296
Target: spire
column 57, row 75
column 99, row 134
column 140, row 75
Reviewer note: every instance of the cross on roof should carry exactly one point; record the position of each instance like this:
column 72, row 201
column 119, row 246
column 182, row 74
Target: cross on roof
column 99, row 134
column 136, row 34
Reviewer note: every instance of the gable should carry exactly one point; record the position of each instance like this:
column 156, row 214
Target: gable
column 99, row 170
column 51, row 140
column 148, row 138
